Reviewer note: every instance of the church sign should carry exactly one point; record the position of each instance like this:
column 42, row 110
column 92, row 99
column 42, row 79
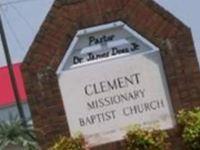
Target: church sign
column 98, row 68
column 112, row 78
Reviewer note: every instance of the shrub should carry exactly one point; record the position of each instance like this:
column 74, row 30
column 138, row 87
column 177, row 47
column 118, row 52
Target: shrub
column 142, row 139
column 190, row 123
column 66, row 143
column 12, row 133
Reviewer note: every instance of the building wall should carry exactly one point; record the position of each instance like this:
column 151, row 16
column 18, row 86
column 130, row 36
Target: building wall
column 9, row 112
column 64, row 19
column 7, row 97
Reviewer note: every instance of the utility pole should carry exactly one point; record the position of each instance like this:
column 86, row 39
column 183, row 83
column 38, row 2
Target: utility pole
column 11, row 74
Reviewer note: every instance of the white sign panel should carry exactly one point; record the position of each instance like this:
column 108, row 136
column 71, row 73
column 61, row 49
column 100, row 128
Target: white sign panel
column 103, row 99
column 111, row 78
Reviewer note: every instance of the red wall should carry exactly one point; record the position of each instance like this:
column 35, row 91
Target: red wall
column 6, row 92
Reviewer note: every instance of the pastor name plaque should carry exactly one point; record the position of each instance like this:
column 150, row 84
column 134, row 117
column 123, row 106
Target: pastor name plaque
column 103, row 97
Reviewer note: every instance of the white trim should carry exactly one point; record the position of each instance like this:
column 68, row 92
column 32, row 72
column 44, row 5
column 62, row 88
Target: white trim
column 99, row 46
column 99, row 28
column 137, row 35
column 105, row 59
column 68, row 53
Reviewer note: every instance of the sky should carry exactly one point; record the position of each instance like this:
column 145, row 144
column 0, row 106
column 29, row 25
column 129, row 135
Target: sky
column 22, row 21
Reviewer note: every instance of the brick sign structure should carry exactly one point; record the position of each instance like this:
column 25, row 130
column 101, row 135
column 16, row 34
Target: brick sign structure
column 69, row 91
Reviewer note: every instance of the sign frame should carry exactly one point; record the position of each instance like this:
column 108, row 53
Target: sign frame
column 90, row 30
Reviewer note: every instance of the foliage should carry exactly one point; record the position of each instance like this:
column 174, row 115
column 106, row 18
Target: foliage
column 142, row 139
column 190, row 123
column 13, row 133
column 66, row 143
